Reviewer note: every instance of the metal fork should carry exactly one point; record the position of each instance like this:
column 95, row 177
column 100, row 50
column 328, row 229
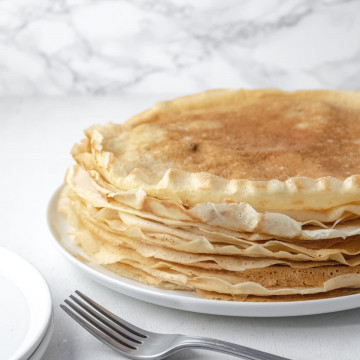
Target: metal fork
column 138, row 344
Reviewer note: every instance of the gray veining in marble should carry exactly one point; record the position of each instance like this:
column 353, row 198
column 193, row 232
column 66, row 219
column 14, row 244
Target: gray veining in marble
column 176, row 46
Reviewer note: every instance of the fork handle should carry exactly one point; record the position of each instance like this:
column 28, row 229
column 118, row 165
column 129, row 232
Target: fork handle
column 227, row 348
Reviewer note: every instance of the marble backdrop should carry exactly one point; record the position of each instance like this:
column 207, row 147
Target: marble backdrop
column 176, row 46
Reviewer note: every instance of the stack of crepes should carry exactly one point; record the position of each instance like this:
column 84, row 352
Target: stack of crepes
column 232, row 194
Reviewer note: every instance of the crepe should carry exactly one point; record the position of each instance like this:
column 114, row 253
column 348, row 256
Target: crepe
column 250, row 280
column 202, row 148
column 233, row 194
column 137, row 233
column 240, row 217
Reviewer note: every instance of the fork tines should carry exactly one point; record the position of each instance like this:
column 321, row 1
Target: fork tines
column 104, row 325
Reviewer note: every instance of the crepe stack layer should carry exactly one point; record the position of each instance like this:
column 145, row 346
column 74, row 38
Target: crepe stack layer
column 235, row 195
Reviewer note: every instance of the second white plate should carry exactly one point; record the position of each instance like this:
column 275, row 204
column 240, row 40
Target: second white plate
column 25, row 307
column 184, row 300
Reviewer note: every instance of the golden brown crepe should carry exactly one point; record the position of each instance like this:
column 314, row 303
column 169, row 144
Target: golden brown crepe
column 271, row 149
column 247, row 195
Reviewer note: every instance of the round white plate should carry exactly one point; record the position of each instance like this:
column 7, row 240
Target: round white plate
column 25, row 307
column 40, row 350
column 184, row 300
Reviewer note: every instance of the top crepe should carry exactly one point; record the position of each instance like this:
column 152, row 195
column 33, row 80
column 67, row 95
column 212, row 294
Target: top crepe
column 271, row 149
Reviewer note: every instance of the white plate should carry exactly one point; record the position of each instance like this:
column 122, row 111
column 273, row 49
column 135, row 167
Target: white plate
column 185, row 300
column 25, row 307
column 40, row 350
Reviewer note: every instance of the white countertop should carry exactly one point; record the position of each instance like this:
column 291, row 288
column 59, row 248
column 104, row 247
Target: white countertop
column 36, row 135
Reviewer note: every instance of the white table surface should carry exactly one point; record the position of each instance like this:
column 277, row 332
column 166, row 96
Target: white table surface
column 36, row 135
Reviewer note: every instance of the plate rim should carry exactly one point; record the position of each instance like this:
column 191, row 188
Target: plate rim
column 168, row 299
column 44, row 343
column 40, row 311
